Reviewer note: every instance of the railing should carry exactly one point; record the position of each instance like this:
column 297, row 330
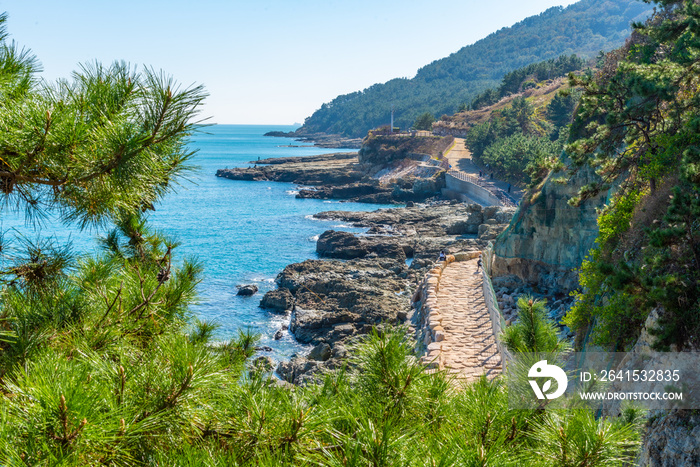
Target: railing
column 466, row 177
column 503, row 197
column 497, row 320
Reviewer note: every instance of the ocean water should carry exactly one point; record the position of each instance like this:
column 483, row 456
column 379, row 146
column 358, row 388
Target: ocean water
column 242, row 232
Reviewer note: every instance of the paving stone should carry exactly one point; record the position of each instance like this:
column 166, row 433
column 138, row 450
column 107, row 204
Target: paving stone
column 465, row 343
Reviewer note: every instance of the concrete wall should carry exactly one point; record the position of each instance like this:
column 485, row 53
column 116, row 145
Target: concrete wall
column 456, row 187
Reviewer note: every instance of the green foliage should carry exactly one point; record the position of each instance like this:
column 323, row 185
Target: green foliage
column 671, row 270
column 522, row 158
column 424, row 121
column 576, row 438
column 515, row 145
column 609, row 282
column 444, row 84
column 561, row 109
column 109, row 140
column 526, row 77
column 638, row 126
column 533, row 332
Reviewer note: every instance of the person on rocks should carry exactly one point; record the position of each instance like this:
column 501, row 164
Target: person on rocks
column 442, row 256
column 479, row 264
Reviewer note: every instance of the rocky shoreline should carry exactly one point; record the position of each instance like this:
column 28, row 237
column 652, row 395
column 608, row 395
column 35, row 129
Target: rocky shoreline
column 368, row 279
column 340, row 176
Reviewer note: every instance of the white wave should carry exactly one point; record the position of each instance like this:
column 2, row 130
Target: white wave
column 314, row 238
column 292, row 192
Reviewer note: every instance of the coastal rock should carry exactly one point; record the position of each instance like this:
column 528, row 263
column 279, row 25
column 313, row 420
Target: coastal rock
column 488, row 232
column 342, row 245
column 329, row 169
column 334, row 300
column 672, row 438
column 345, row 245
column 247, row 290
column 366, row 192
column 321, row 352
column 321, row 140
column 262, row 364
column 297, row 371
column 468, row 225
column 279, row 300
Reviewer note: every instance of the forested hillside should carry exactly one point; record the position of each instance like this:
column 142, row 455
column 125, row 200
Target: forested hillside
column 584, row 28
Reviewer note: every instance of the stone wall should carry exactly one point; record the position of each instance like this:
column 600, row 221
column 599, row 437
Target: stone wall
column 469, row 191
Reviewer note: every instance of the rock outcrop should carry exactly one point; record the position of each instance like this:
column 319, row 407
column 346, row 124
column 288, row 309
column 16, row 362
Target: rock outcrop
column 672, row 439
column 279, row 300
column 336, row 299
column 321, row 140
column 247, row 290
column 329, row 169
column 344, row 245
column 547, row 238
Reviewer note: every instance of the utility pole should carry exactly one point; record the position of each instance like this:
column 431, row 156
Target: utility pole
column 391, row 128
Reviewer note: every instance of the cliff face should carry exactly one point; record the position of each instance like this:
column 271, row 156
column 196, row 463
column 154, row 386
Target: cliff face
column 547, row 239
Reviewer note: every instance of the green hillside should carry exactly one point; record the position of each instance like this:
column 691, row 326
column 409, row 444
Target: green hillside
column 584, row 28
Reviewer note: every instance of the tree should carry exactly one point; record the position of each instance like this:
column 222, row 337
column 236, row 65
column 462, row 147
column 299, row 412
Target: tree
column 560, row 110
column 424, row 121
column 638, row 127
column 533, row 332
column 109, row 140
column 93, row 349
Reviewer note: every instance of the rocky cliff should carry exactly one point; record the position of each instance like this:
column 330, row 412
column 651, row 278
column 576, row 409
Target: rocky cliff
column 547, row 239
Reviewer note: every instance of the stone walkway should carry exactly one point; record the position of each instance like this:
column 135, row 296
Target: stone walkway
column 461, row 160
column 469, row 346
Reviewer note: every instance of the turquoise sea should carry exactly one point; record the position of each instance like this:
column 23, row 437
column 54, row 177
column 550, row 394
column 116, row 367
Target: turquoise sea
column 242, row 232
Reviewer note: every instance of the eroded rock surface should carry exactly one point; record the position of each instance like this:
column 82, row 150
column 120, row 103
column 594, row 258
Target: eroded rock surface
column 548, row 239
column 280, row 300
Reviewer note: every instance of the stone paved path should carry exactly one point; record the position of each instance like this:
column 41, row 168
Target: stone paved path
column 469, row 348
column 461, row 160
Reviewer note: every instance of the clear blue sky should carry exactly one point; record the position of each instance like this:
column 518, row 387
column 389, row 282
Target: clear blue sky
column 264, row 61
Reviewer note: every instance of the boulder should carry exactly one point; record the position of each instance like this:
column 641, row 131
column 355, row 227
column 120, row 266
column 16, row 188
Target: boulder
column 247, row 290
column 262, row 364
column 280, row 300
column 343, row 245
column 321, row 352
column 295, row 371
column 490, row 212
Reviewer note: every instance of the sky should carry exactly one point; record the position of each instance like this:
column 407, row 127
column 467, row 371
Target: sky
column 261, row 61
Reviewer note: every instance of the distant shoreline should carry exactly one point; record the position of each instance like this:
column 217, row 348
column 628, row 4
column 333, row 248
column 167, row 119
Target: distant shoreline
column 320, row 140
